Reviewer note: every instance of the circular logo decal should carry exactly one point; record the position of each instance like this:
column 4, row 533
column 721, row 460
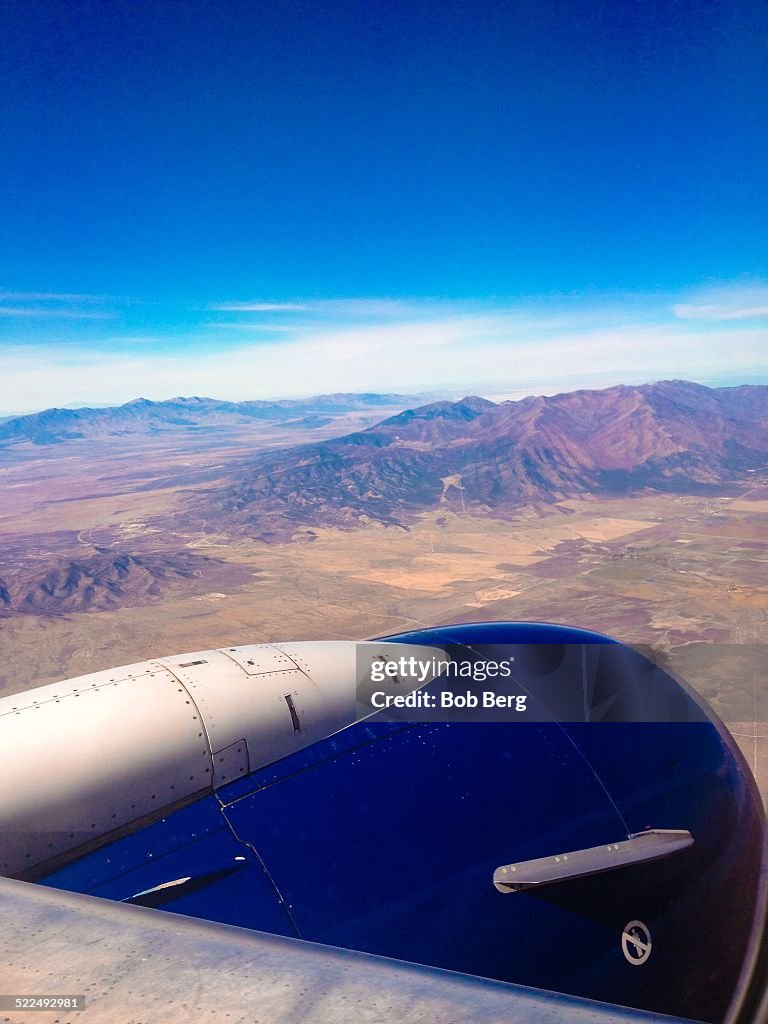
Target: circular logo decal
column 636, row 943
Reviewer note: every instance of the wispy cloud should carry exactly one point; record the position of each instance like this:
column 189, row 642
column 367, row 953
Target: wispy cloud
column 687, row 312
column 733, row 302
column 56, row 305
column 352, row 308
column 44, row 313
column 256, row 307
column 256, row 329
column 10, row 296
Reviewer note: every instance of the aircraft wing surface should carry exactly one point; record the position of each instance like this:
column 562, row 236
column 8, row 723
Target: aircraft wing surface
column 135, row 964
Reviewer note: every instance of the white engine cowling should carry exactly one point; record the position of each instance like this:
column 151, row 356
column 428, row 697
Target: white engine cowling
column 93, row 756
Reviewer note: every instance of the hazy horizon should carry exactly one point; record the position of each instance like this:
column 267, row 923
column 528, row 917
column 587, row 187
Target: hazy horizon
column 493, row 394
column 248, row 350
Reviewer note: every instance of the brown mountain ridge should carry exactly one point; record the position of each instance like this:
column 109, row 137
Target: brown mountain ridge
column 106, row 580
column 477, row 455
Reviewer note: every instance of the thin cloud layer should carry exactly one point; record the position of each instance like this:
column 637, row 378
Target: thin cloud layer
column 388, row 345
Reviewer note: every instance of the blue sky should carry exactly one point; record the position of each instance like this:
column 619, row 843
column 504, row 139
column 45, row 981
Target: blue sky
column 252, row 200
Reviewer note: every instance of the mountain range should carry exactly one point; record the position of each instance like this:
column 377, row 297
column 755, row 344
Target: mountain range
column 477, row 455
column 470, row 456
column 144, row 417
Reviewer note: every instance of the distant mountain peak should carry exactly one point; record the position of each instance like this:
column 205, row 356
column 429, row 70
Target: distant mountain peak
column 476, row 403
column 135, row 402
